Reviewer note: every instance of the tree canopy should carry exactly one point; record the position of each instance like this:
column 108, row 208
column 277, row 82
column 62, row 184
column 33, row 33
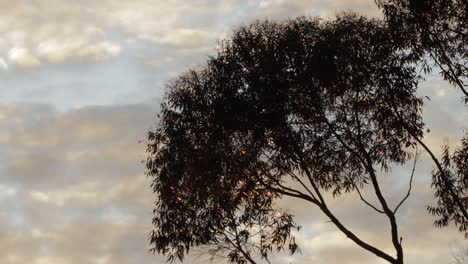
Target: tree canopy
column 325, row 104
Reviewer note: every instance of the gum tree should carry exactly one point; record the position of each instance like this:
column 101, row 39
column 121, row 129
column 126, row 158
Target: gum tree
column 303, row 108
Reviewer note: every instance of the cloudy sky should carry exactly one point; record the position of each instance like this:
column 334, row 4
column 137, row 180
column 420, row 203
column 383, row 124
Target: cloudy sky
column 81, row 82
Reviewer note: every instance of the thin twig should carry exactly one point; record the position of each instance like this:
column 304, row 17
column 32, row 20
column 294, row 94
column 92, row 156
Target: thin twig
column 366, row 202
column 416, row 157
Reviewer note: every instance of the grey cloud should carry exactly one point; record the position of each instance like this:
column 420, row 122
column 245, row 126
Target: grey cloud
column 66, row 216
column 57, row 31
column 280, row 9
column 79, row 242
column 444, row 113
column 32, row 33
column 59, row 149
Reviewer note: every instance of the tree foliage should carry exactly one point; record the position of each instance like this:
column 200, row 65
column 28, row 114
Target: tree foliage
column 328, row 106
column 432, row 29
column 451, row 185
column 435, row 35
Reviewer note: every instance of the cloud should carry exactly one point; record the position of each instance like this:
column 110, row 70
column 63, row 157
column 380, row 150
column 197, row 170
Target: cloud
column 38, row 33
column 7, row 191
column 445, row 127
column 95, row 193
column 182, row 37
column 21, row 58
column 52, row 31
column 159, row 63
column 67, row 209
column 55, row 51
column 3, row 64
column 60, row 31
column 281, row 9
column 80, row 144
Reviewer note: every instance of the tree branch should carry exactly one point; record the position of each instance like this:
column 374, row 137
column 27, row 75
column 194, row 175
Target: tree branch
column 294, row 176
column 410, row 183
column 354, row 238
column 286, row 190
column 390, row 215
column 365, row 201
column 322, row 205
column 386, row 209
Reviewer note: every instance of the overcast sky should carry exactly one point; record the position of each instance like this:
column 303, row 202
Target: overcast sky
column 81, row 82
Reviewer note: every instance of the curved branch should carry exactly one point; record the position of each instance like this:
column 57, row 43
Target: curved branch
column 410, row 183
column 286, row 190
column 294, row 176
column 366, row 202
column 356, row 239
column 303, row 184
column 368, row 163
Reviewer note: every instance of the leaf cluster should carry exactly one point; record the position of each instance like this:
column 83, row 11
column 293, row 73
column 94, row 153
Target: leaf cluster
column 435, row 34
column 451, row 183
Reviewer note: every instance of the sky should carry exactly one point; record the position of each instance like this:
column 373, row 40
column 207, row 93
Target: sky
column 81, row 83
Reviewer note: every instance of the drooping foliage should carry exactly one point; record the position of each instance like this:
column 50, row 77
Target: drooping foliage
column 432, row 29
column 451, row 185
column 435, row 35
column 324, row 104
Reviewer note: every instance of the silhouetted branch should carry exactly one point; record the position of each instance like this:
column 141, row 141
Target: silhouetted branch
column 323, row 206
column 410, row 182
column 365, row 201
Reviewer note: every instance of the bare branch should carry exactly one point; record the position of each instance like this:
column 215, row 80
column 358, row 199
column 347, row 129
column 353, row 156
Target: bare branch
column 286, row 190
column 239, row 247
column 416, row 157
column 365, row 201
column 302, row 183
column 294, row 176
column 354, row 238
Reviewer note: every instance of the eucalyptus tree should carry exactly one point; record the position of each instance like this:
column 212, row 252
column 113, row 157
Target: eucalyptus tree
column 304, row 108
